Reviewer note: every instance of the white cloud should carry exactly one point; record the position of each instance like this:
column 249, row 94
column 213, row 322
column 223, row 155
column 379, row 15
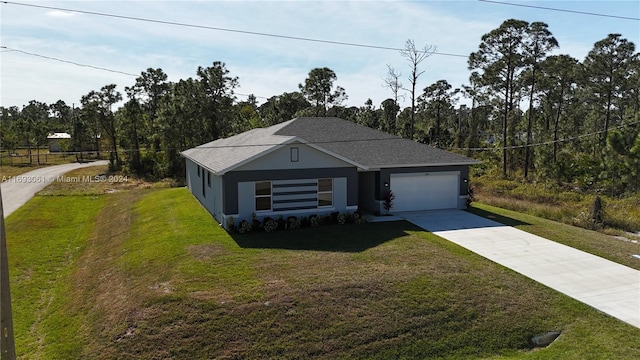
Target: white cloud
column 266, row 66
column 61, row 14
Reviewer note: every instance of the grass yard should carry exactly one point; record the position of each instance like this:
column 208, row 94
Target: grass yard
column 45, row 239
column 103, row 182
column 147, row 274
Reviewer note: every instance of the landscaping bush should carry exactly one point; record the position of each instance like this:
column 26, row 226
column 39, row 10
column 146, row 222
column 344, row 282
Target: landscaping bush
column 388, row 200
column 342, row 219
column 357, row 218
column 231, row 226
column 294, row 222
column 245, row 227
column 470, row 196
column 269, row 224
column 597, row 213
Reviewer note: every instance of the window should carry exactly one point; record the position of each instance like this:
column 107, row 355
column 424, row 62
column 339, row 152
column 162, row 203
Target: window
column 209, row 179
column 198, row 166
column 325, row 192
column 263, row 195
column 294, row 154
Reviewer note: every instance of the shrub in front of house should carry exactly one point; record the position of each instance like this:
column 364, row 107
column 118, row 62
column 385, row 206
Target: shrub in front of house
column 269, row 224
column 388, row 201
column 244, row 227
column 231, row 226
column 357, row 218
column 314, row 221
column 342, row 218
column 293, row 222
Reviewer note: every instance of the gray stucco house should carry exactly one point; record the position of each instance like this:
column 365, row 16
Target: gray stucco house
column 312, row 165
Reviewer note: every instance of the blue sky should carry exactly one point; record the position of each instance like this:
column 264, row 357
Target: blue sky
column 268, row 66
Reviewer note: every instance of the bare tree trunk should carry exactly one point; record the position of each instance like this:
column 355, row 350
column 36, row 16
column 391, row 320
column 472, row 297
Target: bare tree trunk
column 555, row 127
column 415, row 57
column 527, row 150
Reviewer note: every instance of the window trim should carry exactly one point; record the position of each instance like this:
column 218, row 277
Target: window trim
column 256, row 196
column 209, row 178
column 295, row 154
column 325, row 192
column 198, row 166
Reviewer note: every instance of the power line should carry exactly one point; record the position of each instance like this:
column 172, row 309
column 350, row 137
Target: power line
column 393, row 138
column 386, row 138
column 206, row 27
column 562, row 10
column 513, row 147
column 8, row 49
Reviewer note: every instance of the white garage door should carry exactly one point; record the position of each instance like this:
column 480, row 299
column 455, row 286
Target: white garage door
column 425, row 191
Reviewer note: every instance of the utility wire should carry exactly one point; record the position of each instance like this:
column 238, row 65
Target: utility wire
column 393, row 138
column 561, row 10
column 390, row 138
column 513, row 147
column 206, row 27
column 8, row 49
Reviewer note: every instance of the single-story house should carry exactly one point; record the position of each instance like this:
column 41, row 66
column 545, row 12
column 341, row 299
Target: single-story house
column 313, row 165
column 57, row 140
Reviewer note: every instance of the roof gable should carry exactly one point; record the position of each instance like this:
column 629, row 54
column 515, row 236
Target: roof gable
column 223, row 155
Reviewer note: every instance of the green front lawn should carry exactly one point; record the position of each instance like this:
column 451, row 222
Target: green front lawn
column 147, row 274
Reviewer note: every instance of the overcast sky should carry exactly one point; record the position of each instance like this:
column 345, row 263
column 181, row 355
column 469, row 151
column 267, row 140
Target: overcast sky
column 265, row 65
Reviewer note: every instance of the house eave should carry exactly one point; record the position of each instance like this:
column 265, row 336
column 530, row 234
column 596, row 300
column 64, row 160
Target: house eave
column 216, row 173
column 396, row 166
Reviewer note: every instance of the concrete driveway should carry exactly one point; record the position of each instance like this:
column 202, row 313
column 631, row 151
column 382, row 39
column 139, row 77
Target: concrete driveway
column 18, row 190
column 605, row 285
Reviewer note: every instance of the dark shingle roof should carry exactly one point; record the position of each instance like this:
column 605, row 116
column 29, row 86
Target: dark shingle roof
column 364, row 147
column 370, row 147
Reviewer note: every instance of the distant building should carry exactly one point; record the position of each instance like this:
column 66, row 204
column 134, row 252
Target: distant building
column 58, row 141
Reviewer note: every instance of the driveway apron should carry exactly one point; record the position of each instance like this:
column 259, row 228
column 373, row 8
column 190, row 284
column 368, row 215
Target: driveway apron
column 605, row 285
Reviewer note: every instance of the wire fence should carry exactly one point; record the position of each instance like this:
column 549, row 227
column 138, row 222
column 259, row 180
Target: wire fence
column 21, row 157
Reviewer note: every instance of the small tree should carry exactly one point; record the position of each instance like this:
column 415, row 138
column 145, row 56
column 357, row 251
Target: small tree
column 388, row 201
column 598, row 211
column 318, row 89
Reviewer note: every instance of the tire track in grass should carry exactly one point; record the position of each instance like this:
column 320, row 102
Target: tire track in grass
column 101, row 290
column 46, row 237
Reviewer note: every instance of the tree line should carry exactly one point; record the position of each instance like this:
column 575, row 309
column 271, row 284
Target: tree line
column 531, row 114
